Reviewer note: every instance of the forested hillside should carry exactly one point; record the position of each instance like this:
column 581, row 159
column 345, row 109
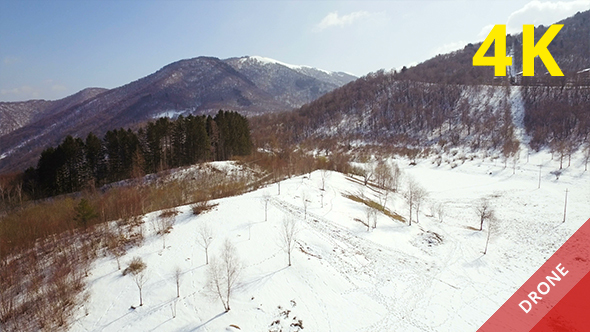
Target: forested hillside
column 381, row 109
column 446, row 102
column 77, row 164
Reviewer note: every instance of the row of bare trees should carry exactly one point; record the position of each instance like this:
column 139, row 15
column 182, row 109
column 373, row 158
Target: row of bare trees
column 41, row 287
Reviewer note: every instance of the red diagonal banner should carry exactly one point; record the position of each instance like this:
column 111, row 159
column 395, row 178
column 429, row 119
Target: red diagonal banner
column 556, row 297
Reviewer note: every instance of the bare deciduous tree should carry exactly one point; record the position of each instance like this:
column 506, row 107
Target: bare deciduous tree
column 559, row 146
column 420, row 196
column 204, row 238
column 383, row 196
column 265, row 201
column 115, row 247
column 140, row 280
column 324, row 173
column 288, row 231
column 137, row 268
column 511, row 148
column 484, row 211
column 177, row 274
column 515, row 159
column 305, row 203
column 367, row 173
column 383, row 174
column 164, row 224
column 410, row 196
column 224, row 272
column 371, row 213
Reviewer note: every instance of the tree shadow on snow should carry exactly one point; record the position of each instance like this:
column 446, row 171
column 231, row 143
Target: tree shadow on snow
column 197, row 328
column 156, row 328
column 193, row 269
column 258, row 280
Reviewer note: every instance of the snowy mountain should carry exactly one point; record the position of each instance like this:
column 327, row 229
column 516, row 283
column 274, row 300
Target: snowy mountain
column 336, row 78
column 201, row 85
column 290, row 84
column 430, row 276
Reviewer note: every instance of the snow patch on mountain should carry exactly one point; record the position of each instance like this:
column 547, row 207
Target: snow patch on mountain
column 172, row 114
column 298, row 68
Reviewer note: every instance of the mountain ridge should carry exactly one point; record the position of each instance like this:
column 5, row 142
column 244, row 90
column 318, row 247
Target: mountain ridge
column 14, row 115
column 200, row 85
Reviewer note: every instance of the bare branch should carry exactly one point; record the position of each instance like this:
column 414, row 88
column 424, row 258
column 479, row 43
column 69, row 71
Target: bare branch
column 224, row 272
column 204, row 239
column 288, row 231
column 484, row 211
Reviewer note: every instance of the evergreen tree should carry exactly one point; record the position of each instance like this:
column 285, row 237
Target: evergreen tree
column 197, row 140
column 95, row 159
column 46, row 172
column 179, row 142
column 85, row 212
column 214, row 137
column 123, row 154
column 113, row 147
column 223, row 130
column 121, row 146
column 72, row 174
column 234, row 135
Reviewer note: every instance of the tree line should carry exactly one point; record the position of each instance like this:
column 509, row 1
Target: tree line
column 76, row 164
column 557, row 117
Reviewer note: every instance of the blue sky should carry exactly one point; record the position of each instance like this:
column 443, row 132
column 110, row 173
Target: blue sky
column 51, row 49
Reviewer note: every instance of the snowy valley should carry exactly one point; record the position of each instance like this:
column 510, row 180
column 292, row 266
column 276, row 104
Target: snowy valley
column 430, row 276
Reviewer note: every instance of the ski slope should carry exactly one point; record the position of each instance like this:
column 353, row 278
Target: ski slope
column 344, row 278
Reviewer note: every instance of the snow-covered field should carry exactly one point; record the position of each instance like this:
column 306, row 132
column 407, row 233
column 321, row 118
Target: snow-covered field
column 344, row 278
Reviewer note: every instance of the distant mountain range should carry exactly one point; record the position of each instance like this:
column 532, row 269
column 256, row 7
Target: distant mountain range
column 250, row 85
column 440, row 103
column 14, row 115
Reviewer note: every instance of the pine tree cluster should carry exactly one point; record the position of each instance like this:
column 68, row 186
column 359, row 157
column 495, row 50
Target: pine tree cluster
column 76, row 164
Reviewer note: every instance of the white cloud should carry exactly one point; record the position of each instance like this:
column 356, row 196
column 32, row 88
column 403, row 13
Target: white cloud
column 543, row 12
column 485, row 31
column 446, row 48
column 335, row 20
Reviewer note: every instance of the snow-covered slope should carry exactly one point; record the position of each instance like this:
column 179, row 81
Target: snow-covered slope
column 344, row 278
column 337, row 78
column 284, row 73
column 265, row 60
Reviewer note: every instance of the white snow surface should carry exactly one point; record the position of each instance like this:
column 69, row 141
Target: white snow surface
column 172, row 114
column 344, row 278
column 265, row 60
